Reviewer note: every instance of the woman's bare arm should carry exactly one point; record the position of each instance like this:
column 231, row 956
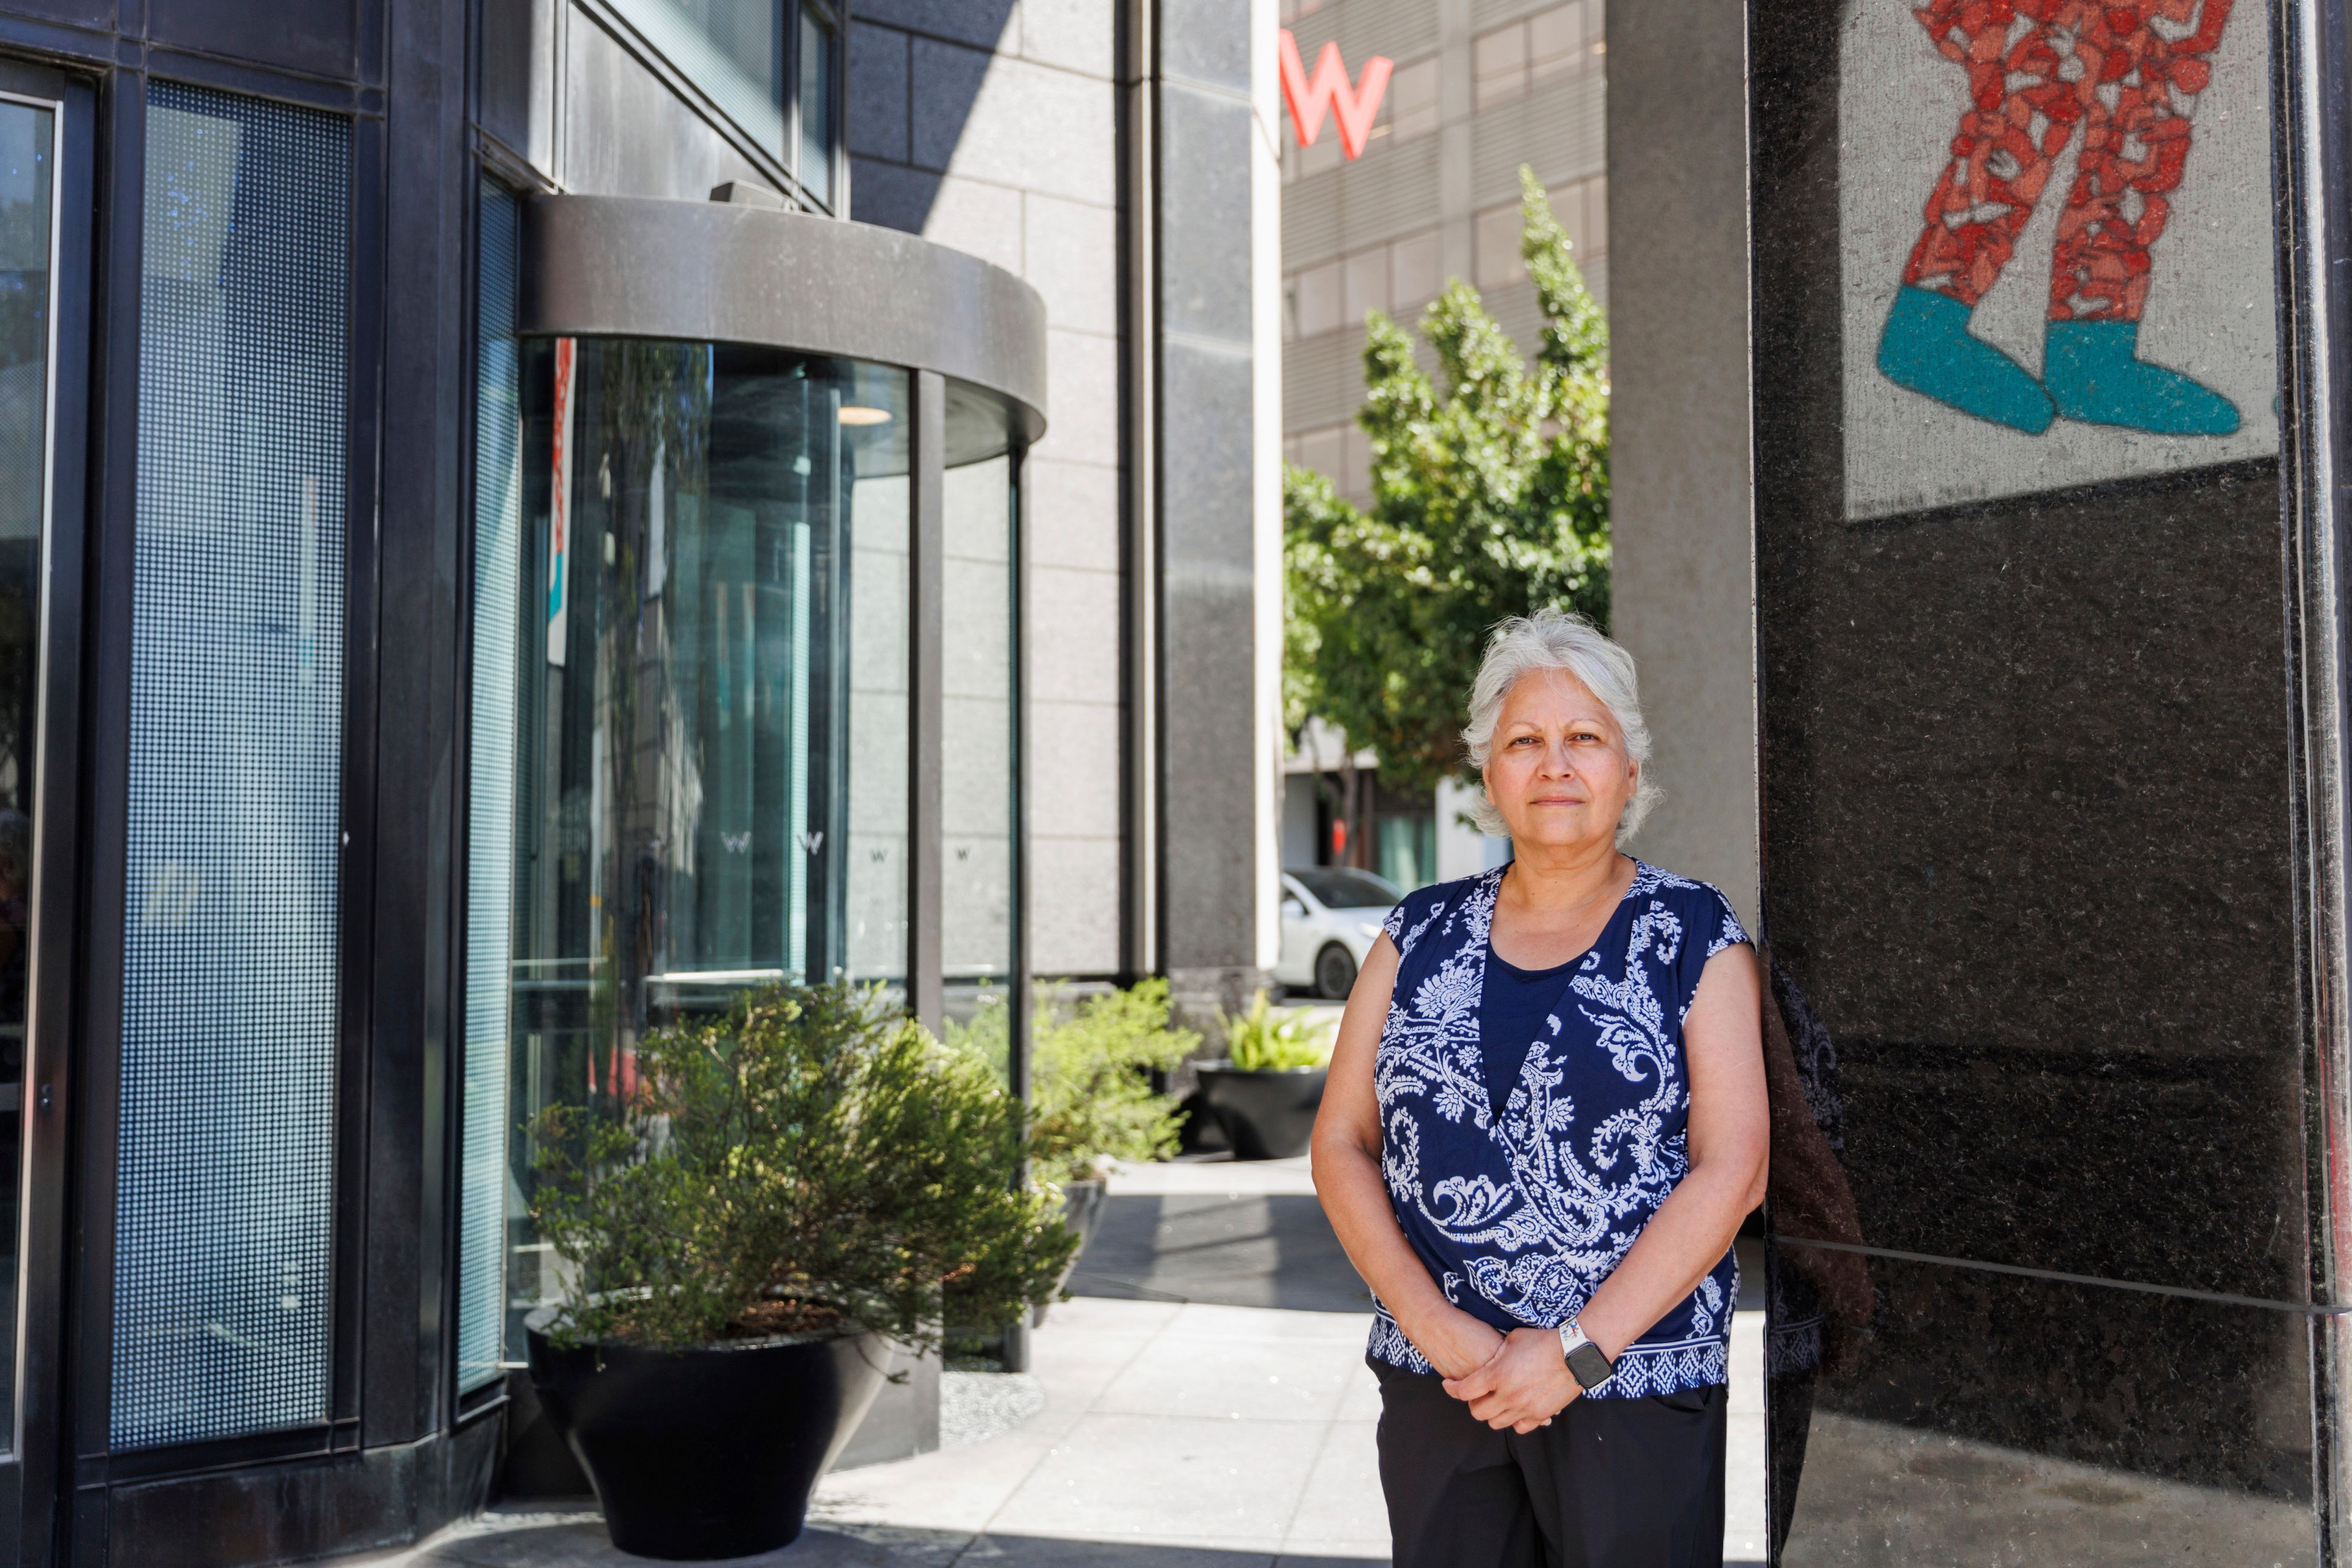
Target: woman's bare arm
column 1346, row 1157
column 1526, row 1382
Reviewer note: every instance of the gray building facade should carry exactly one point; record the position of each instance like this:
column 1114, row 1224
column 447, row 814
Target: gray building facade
column 1480, row 88
column 521, row 520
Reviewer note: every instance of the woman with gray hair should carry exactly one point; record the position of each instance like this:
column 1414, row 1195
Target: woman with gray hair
column 1545, row 1120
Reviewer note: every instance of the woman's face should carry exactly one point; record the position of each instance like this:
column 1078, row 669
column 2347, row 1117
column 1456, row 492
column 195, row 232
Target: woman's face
column 1557, row 769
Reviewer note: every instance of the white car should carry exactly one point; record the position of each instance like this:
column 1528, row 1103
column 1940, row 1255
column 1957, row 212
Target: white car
column 1330, row 917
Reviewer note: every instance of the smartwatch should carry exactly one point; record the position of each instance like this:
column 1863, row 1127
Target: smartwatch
column 1587, row 1362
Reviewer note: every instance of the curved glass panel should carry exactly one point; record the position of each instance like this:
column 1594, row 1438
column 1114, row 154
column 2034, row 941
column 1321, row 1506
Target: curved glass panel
column 711, row 754
column 979, row 722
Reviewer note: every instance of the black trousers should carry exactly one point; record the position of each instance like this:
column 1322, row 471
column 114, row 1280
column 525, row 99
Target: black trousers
column 1610, row 1483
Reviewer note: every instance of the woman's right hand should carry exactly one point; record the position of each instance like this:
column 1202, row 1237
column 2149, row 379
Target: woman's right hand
column 1457, row 1343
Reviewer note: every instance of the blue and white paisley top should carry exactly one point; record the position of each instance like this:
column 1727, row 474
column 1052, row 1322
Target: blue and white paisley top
column 1520, row 1212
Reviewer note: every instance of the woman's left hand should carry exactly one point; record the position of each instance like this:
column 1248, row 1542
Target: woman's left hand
column 1523, row 1385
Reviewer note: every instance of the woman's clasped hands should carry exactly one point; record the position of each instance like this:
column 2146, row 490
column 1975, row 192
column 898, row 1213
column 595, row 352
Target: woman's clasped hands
column 1518, row 1380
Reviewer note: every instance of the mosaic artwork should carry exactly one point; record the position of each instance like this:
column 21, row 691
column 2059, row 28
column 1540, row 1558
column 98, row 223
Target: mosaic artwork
column 2056, row 244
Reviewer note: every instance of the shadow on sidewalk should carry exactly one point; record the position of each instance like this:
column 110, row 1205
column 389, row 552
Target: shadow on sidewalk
column 1233, row 1249
column 517, row 1540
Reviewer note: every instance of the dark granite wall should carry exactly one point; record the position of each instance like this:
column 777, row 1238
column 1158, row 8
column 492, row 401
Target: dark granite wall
column 2040, row 1269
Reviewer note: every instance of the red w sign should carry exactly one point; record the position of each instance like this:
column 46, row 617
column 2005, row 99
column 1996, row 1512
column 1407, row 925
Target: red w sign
column 1352, row 107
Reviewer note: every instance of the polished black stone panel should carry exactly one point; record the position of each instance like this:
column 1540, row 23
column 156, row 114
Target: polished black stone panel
column 1983, row 1417
column 2028, row 859
column 2029, row 884
column 2028, row 815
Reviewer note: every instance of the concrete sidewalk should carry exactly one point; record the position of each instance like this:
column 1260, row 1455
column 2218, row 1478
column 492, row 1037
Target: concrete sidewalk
column 1202, row 1402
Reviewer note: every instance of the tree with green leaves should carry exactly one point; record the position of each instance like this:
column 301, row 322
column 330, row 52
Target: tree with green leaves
column 1490, row 497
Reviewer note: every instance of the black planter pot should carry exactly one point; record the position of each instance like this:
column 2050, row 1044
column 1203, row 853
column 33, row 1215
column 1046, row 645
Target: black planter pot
column 1082, row 1211
column 1266, row 1115
column 712, row 1453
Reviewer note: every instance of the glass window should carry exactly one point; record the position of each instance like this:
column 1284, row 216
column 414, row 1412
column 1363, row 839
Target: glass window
column 875, row 875
column 1500, row 62
column 484, row 1209
column 1325, row 451
column 977, row 733
column 1413, row 269
column 1366, row 285
column 1325, row 156
column 1318, row 299
column 1408, row 848
column 1496, row 237
column 1555, row 42
column 1343, row 888
column 28, row 161
column 223, row 1217
column 1355, row 475
column 732, row 49
column 711, row 759
column 819, row 69
column 1412, row 103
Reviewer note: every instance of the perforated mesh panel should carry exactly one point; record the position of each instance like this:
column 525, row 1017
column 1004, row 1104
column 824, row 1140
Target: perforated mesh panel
column 224, row 1209
column 490, row 866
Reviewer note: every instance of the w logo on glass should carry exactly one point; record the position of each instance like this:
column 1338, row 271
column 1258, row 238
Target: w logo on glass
column 737, row 843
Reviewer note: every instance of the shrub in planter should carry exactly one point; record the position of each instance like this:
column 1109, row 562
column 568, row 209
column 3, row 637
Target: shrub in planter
column 1091, row 1093
column 1265, row 1092
column 786, row 1186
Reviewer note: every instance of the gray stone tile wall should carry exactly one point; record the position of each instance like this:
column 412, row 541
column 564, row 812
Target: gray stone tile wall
column 988, row 126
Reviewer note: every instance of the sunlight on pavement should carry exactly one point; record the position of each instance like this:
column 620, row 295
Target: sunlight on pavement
column 1242, row 1431
column 1202, row 1401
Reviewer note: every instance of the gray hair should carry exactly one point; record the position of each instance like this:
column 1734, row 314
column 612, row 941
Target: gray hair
column 1556, row 639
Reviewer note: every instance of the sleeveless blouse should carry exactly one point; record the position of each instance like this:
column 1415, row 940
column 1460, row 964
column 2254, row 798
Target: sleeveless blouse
column 1519, row 1211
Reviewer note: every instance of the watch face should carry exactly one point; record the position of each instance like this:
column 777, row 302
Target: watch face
column 1590, row 1365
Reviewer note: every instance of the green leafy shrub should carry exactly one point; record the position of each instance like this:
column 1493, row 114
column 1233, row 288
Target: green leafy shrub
column 814, row 1160
column 1263, row 1040
column 1490, row 498
column 1090, row 1095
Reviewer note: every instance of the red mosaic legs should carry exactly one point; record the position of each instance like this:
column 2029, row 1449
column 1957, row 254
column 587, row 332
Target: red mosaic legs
column 2036, row 69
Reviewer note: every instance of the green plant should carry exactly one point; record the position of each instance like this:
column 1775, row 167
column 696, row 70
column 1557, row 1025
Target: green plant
column 1263, row 1040
column 814, row 1160
column 1490, row 497
column 1089, row 1087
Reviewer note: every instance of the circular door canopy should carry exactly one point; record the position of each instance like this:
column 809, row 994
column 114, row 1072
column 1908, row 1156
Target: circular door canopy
column 635, row 267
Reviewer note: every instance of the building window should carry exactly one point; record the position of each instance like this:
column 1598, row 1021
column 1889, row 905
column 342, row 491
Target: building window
column 1316, row 303
column 1395, row 277
column 233, row 936
column 482, row 1239
column 1365, row 284
column 1410, row 107
column 1340, row 453
column 1555, row 42
column 1324, row 156
column 1499, row 64
column 1495, row 236
column 28, row 283
column 733, row 49
column 1553, row 45
column 820, row 46
column 771, row 66
column 1582, row 208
